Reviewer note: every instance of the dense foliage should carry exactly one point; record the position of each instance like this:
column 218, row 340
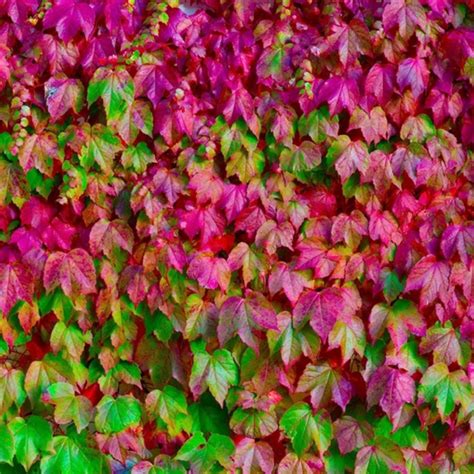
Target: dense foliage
column 236, row 236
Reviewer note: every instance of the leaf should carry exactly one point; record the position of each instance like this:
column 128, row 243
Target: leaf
column 69, row 17
column 117, row 414
column 63, row 94
column 380, row 81
column 13, row 185
column 246, row 165
column 391, row 389
column 340, row 93
column 115, row 87
column 351, row 434
column 243, row 316
column 253, row 423
column 349, row 228
column 272, row 236
column 322, row 308
column 413, row 72
column 72, row 457
column 349, row 336
column 209, row 271
column 447, row 388
column 153, row 80
column 444, row 343
column 107, row 236
column 304, row 428
column 97, row 144
column 217, row 371
column 325, row 385
column 292, row 282
column 350, row 39
column 7, row 447
column 252, row 262
column 251, row 455
column 374, row 125
column 404, row 15
column 460, row 238
column 240, row 104
column 137, row 157
column 401, row 320
column 384, row 458
column 32, row 436
column 431, row 277
column 39, row 151
column 68, row 406
column 12, row 391
column 350, row 156
column 170, row 405
column 16, row 284
column 74, row 272
column 136, row 118
column 71, row 339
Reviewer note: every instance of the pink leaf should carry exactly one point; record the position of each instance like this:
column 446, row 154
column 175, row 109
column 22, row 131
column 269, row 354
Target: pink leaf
column 209, row 271
column 413, row 72
column 16, row 283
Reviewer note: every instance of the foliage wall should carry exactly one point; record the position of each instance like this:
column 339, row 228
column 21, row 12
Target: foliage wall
column 236, row 236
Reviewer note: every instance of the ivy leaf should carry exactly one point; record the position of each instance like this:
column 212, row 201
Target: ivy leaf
column 63, row 94
column 304, row 428
column 7, row 447
column 13, row 185
column 170, row 405
column 117, row 414
column 71, row 339
column 325, row 384
column 351, row 40
column 380, row 81
column 252, row 262
column 32, row 436
column 340, row 93
column 349, row 156
column 404, row 15
column 271, row 236
column 444, row 343
column 202, row 454
column 413, row 72
column 217, row 371
column 251, row 455
column 138, row 157
column 16, row 284
column 241, row 104
column 68, row 406
column 11, row 389
column 384, row 458
column 349, row 335
column 243, row 316
column 431, row 277
column 391, row 388
column 73, row 457
column 39, row 151
column 349, row 228
column 153, row 80
column 74, row 272
column 447, row 388
column 96, row 144
column 211, row 272
column 115, row 87
column 69, row 17
column 136, row 118
column 253, row 423
column 351, row 434
column 292, row 282
column 107, row 236
column 322, row 308
column 401, row 320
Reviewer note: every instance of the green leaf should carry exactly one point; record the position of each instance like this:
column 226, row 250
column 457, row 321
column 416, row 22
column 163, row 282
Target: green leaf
column 170, row 405
column 138, row 157
column 115, row 87
column 392, row 286
column 202, row 454
column 73, row 458
column 447, row 388
column 117, row 414
column 7, row 445
column 304, row 428
column 70, row 338
column 217, row 372
column 69, row 407
column 208, row 416
column 32, row 437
